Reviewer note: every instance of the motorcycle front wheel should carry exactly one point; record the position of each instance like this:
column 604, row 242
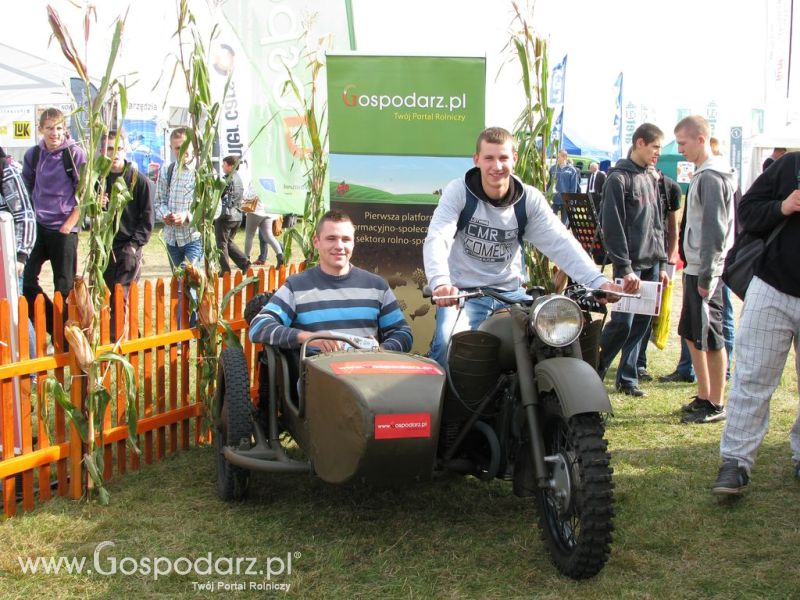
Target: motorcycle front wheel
column 576, row 513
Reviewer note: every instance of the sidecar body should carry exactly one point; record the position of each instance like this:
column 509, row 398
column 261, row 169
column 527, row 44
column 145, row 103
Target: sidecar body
column 366, row 416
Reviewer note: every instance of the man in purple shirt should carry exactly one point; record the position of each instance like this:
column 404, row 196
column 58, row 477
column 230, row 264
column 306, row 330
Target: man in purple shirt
column 51, row 170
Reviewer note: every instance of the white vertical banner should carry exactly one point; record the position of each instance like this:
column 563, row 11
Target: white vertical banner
column 260, row 44
column 616, row 134
column 779, row 29
column 9, row 289
column 793, row 117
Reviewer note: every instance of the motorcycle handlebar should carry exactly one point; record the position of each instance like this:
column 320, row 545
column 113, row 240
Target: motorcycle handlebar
column 596, row 293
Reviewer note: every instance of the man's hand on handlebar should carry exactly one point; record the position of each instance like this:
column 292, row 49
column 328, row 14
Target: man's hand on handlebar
column 322, row 344
column 445, row 290
column 610, row 297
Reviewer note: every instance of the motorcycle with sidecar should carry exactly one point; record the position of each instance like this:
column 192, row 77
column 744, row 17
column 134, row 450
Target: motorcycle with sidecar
column 519, row 400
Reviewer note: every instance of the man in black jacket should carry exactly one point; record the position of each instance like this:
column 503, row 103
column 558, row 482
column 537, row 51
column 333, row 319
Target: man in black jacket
column 135, row 225
column 633, row 233
column 769, row 324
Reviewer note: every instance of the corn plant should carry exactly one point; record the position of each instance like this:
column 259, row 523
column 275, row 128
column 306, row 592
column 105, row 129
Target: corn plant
column 533, row 127
column 312, row 136
column 204, row 119
column 89, row 288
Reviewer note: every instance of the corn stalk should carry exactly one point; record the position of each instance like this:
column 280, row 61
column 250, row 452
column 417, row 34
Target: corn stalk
column 312, row 137
column 209, row 187
column 89, row 288
column 533, row 127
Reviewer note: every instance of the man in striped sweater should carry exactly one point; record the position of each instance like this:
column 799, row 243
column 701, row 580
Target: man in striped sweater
column 334, row 297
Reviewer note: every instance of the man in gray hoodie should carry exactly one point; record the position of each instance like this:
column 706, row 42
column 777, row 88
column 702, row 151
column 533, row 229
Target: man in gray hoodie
column 475, row 240
column 707, row 235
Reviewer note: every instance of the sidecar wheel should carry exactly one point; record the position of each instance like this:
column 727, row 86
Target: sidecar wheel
column 576, row 515
column 234, row 422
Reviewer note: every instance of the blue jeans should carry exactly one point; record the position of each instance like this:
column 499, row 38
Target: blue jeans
column 193, row 252
column 451, row 320
column 625, row 332
column 728, row 331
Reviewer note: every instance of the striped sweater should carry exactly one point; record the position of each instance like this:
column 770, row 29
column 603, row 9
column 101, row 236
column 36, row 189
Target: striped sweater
column 358, row 303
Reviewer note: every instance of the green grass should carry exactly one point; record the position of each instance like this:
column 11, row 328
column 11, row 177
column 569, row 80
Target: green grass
column 454, row 538
column 361, row 193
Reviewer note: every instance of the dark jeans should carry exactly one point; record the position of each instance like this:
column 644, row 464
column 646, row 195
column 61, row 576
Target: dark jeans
column 224, row 232
column 625, row 332
column 124, row 266
column 61, row 249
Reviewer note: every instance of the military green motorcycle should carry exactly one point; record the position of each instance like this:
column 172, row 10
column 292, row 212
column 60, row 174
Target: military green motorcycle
column 518, row 401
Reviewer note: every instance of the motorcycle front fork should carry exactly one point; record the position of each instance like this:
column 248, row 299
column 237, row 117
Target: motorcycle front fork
column 529, row 396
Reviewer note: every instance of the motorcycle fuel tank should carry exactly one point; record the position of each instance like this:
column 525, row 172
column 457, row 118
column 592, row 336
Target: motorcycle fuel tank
column 372, row 416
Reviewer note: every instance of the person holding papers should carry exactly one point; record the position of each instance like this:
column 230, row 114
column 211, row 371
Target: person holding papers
column 633, row 232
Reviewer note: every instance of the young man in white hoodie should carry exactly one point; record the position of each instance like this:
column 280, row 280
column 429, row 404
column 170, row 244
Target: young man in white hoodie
column 707, row 235
column 475, row 239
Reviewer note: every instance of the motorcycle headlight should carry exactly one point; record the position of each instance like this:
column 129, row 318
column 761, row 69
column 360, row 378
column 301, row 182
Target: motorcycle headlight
column 557, row 320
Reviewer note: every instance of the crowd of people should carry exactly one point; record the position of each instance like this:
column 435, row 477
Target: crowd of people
column 41, row 195
column 638, row 214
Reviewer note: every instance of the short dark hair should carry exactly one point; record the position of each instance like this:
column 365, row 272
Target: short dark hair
column 493, row 135
column 335, row 216
column 178, row 132
column 111, row 134
column 647, row 132
column 232, row 161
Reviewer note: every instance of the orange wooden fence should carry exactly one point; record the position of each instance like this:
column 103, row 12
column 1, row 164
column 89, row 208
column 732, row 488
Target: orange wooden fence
column 48, row 457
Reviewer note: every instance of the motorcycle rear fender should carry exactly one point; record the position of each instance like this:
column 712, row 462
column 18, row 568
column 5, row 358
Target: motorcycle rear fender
column 576, row 383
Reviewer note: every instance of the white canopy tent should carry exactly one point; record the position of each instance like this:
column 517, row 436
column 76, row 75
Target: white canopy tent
column 758, row 147
column 28, row 82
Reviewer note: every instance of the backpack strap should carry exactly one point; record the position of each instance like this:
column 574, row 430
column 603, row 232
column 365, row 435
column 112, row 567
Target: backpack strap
column 470, row 206
column 67, row 159
column 520, row 211
column 170, row 171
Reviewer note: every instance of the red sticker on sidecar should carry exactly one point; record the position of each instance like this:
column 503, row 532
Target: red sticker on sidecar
column 384, row 367
column 409, row 425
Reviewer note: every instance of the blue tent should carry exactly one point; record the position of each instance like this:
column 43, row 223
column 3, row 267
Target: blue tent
column 568, row 145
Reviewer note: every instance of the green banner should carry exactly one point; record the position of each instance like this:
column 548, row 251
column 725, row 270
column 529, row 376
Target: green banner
column 419, row 106
column 400, row 128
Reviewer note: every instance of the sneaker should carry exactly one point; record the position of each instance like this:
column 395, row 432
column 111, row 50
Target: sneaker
column 631, row 390
column 705, row 413
column 693, row 406
column 260, row 262
column 676, row 377
column 731, row 479
column 643, row 374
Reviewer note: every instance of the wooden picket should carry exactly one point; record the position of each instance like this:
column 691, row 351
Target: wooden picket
column 160, row 353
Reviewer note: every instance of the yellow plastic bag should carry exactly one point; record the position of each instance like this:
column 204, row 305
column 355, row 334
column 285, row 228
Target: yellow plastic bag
column 661, row 322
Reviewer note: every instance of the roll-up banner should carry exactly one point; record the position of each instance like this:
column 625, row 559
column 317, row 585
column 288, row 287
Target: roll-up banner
column 258, row 45
column 9, row 289
column 400, row 128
